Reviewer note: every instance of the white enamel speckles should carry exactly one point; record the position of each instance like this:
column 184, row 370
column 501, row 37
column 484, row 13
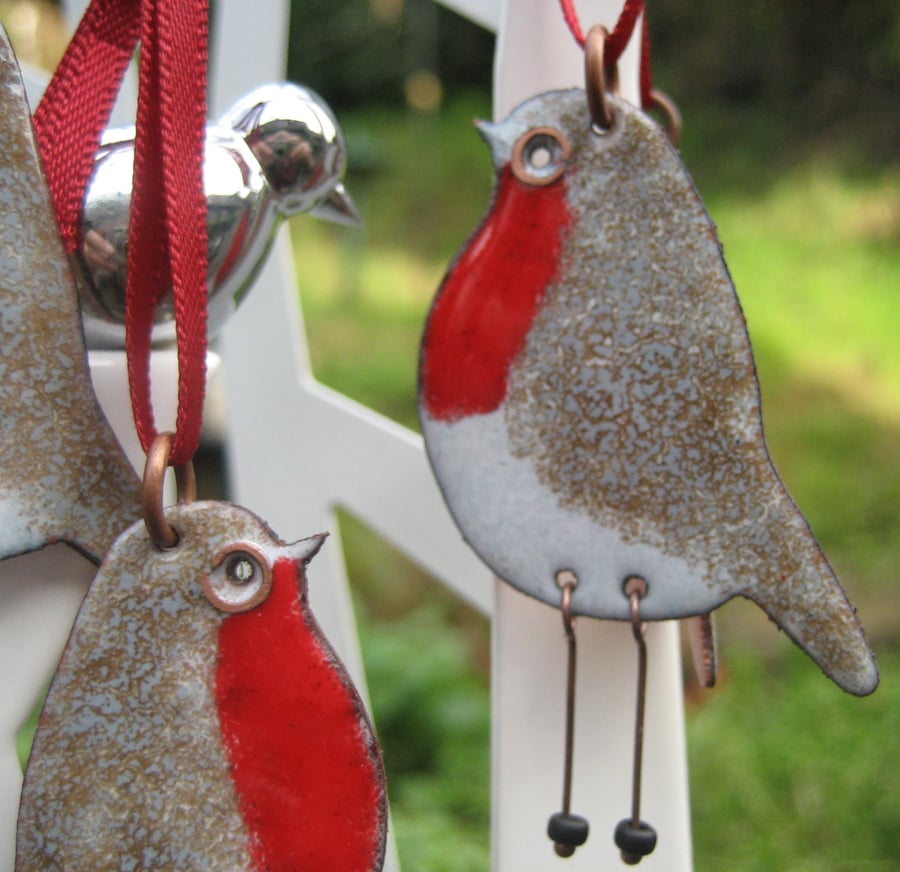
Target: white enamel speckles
column 63, row 475
column 127, row 765
column 181, row 732
column 627, row 437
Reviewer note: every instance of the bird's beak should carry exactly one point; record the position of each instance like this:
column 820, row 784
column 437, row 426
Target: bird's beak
column 488, row 132
column 304, row 550
column 492, row 134
column 337, row 207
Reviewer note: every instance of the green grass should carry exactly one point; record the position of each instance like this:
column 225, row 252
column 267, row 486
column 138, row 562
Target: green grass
column 434, row 725
column 816, row 265
column 787, row 772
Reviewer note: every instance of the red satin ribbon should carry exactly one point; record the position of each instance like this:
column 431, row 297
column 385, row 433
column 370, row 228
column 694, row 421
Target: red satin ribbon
column 618, row 40
column 167, row 230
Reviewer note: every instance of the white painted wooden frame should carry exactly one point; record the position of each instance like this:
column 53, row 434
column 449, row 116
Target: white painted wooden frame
column 298, row 450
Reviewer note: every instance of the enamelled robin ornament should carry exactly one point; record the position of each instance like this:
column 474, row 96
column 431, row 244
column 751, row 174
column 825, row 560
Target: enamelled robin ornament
column 63, row 475
column 199, row 719
column 589, row 399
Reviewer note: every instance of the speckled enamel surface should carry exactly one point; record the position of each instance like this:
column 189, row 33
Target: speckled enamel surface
column 129, row 769
column 62, row 473
column 630, row 439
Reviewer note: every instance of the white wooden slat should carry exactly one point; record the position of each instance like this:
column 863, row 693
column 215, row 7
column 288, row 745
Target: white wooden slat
column 483, row 12
column 40, row 594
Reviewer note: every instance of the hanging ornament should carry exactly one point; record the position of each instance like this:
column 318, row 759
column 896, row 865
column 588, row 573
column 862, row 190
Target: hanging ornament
column 589, row 400
column 588, row 395
column 63, row 475
column 278, row 152
column 198, row 717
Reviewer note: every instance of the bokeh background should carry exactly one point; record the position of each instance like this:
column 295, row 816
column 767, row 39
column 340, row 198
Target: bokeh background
column 792, row 134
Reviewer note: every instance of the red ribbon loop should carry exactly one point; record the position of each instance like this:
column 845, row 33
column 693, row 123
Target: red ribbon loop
column 75, row 108
column 167, row 230
column 168, row 213
column 618, row 40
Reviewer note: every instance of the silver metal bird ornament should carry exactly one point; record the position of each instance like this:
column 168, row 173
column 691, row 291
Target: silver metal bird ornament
column 589, row 399
column 278, row 152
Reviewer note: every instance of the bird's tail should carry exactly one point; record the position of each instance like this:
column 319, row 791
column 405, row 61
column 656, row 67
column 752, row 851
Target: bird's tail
column 798, row 589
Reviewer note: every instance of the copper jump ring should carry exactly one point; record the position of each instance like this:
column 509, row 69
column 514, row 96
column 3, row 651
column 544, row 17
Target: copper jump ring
column 666, row 107
column 599, row 78
column 163, row 534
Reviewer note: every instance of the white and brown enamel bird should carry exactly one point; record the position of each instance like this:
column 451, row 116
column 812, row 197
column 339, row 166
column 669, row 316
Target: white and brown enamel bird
column 63, row 475
column 199, row 719
column 589, row 399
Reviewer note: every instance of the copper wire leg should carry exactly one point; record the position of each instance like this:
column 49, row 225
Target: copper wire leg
column 567, row 830
column 637, row 630
column 570, row 694
column 636, row 838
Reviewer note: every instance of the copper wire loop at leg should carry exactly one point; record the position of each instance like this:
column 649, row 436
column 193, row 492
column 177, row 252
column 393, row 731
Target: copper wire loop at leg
column 163, row 534
column 599, row 80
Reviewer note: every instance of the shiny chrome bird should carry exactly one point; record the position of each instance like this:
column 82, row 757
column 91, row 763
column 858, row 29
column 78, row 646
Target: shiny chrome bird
column 278, row 152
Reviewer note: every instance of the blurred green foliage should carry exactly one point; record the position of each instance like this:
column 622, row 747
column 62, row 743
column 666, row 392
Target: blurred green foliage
column 790, row 775
column 360, row 52
column 824, row 67
column 828, row 68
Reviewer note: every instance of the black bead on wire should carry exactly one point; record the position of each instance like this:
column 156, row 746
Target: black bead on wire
column 568, row 831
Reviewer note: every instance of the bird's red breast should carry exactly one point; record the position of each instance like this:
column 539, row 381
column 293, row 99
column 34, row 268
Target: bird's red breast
column 304, row 760
column 489, row 298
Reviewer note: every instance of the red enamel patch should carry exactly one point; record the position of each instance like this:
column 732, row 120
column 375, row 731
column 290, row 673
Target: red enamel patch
column 309, row 786
column 488, row 300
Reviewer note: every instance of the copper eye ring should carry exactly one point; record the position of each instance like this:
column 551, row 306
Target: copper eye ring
column 228, row 594
column 540, row 140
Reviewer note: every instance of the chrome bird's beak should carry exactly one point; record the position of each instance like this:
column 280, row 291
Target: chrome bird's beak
column 338, row 208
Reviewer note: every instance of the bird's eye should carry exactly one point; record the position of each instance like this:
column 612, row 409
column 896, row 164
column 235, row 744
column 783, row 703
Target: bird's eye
column 240, row 580
column 539, row 156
